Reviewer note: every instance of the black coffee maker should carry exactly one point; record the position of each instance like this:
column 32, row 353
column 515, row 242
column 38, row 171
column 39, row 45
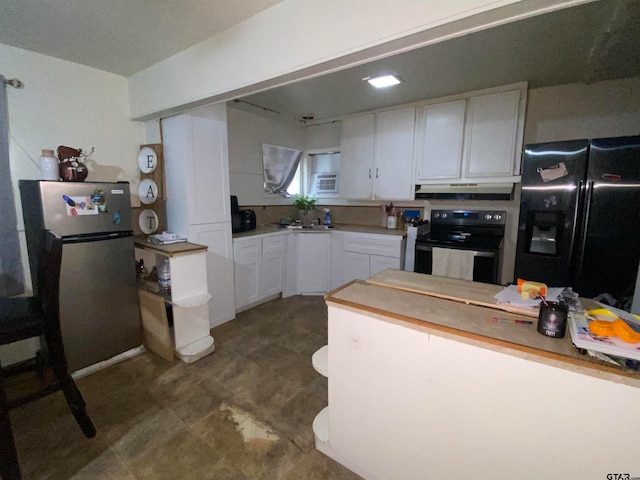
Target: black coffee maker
column 241, row 220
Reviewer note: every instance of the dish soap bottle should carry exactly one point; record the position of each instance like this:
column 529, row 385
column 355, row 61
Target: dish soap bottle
column 327, row 217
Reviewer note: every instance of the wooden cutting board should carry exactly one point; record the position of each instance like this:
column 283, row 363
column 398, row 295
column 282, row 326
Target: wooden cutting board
column 449, row 288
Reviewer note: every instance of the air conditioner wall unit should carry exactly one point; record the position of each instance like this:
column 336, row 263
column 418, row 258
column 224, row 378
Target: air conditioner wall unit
column 325, row 183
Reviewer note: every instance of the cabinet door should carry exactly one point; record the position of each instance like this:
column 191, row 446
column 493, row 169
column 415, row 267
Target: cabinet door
column 274, row 259
column 356, row 156
column 220, row 269
column 439, row 138
column 197, row 168
column 314, row 263
column 491, row 135
column 247, row 254
column 273, row 271
column 378, row 264
column 393, row 155
column 355, row 266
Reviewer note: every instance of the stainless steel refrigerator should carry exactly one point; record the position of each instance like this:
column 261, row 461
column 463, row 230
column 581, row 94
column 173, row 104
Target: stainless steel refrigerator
column 99, row 312
column 579, row 222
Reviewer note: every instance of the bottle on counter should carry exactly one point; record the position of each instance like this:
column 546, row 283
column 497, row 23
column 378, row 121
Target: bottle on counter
column 164, row 276
column 327, row 217
column 49, row 167
column 141, row 270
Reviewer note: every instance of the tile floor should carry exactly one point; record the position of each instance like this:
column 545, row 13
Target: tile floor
column 244, row 412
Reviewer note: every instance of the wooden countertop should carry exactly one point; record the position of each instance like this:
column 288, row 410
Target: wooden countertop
column 171, row 250
column 467, row 322
column 274, row 228
column 449, row 288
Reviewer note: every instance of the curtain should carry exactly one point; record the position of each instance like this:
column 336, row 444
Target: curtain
column 280, row 165
column 11, row 273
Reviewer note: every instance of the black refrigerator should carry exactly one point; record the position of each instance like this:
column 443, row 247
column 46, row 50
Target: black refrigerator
column 99, row 314
column 579, row 223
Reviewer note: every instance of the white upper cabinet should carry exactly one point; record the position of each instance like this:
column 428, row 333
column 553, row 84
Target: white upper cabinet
column 377, row 155
column 197, row 167
column 356, row 156
column 439, row 141
column 393, row 154
column 477, row 139
column 491, row 133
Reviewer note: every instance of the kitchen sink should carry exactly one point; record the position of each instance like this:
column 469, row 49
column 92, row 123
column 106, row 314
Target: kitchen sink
column 310, row 227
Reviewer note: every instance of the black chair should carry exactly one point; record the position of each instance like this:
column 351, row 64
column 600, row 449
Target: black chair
column 37, row 316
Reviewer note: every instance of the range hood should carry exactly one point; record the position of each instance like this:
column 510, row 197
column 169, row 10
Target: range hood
column 465, row 191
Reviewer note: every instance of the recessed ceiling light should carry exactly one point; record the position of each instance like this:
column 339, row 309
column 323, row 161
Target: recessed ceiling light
column 382, row 81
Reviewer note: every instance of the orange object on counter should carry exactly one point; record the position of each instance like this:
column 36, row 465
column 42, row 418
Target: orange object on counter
column 529, row 289
column 617, row 328
column 601, row 328
column 624, row 332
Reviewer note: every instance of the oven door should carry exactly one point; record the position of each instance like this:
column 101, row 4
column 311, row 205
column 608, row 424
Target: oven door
column 485, row 263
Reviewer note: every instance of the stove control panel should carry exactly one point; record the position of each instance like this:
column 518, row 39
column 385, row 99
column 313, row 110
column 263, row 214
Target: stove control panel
column 468, row 217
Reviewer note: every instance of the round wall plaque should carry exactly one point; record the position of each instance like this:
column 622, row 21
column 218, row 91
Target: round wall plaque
column 148, row 221
column 147, row 160
column 148, row 191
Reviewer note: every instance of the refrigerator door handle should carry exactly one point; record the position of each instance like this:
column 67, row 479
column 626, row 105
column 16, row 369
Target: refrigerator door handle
column 584, row 228
column 95, row 237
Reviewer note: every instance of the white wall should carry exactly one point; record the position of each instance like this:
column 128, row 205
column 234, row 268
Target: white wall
column 277, row 42
column 569, row 112
column 63, row 103
column 326, row 135
column 247, row 133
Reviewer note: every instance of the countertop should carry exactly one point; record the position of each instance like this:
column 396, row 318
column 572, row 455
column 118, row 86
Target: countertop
column 275, row 228
column 173, row 249
column 467, row 322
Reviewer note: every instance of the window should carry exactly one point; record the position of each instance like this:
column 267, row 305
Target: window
column 323, row 169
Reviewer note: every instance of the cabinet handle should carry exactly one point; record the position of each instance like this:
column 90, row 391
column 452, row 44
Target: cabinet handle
column 376, row 173
column 369, row 173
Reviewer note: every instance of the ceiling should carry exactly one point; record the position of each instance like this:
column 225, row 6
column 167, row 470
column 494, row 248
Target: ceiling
column 119, row 36
column 587, row 43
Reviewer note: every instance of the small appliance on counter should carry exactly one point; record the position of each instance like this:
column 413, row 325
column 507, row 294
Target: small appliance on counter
column 241, row 220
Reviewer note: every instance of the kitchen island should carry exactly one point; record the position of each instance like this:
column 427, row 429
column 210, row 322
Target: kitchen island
column 424, row 387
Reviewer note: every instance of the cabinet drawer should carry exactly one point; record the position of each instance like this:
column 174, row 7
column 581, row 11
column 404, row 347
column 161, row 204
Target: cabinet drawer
column 274, row 243
column 384, row 245
column 247, row 250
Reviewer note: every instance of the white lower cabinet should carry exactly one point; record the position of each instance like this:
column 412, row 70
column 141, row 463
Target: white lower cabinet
column 365, row 254
column 259, row 263
column 308, row 263
column 273, row 264
column 313, row 263
column 247, row 260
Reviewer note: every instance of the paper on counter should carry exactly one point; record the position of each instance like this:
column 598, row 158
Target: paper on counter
column 510, row 296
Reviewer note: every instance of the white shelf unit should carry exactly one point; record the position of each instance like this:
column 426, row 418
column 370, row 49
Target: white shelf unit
column 189, row 296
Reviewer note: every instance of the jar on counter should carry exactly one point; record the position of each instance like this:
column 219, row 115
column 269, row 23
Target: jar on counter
column 49, row 168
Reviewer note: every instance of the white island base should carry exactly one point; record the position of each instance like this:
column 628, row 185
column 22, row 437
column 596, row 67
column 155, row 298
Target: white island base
column 190, row 339
column 422, row 387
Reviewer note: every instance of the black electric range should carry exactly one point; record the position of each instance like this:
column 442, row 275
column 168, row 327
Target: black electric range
column 481, row 231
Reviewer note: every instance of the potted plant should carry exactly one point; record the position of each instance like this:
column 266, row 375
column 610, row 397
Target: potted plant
column 306, row 207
